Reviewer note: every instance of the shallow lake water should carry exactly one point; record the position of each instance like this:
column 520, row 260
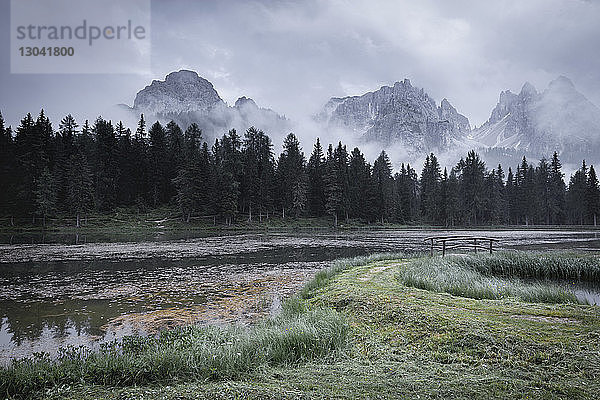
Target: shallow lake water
column 58, row 294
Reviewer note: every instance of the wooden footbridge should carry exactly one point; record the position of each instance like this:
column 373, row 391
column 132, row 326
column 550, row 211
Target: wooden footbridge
column 462, row 242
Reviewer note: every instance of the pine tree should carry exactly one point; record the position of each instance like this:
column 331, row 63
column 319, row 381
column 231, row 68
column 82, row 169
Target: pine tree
column 576, row 196
column 542, row 192
column 556, row 192
column 291, row 176
column 7, row 169
column 80, row 186
column 257, row 181
column 471, row 172
column 333, row 191
column 430, row 189
column 160, row 180
column 141, row 128
column 45, row 194
column 106, row 170
column 31, row 159
column 359, row 190
column 449, row 198
column 315, row 171
column 593, row 196
column 227, row 170
column 383, row 187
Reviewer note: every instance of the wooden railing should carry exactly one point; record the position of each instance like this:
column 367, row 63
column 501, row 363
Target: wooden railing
column 462, row 242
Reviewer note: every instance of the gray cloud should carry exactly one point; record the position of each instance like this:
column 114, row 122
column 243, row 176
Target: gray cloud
column 293, row 56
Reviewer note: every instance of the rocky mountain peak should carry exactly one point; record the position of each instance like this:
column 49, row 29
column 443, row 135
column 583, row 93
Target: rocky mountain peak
column 528, row 91
column 245, row 101
column 401, row 113
column 181, row 91
column 556, row 119
column 561, row 82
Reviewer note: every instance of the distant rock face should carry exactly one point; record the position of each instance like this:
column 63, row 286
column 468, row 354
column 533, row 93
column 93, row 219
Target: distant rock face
column 187, row 98
column 398, row 114
column 182, row 91
column 557, row 119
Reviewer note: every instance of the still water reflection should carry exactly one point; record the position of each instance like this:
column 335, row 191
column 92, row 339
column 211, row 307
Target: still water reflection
column 81, row 294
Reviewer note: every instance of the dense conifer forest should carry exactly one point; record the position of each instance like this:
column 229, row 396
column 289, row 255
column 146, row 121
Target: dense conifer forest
column 98, row 167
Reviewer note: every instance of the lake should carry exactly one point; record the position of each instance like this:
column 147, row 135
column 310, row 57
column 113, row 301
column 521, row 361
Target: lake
column 61, row 293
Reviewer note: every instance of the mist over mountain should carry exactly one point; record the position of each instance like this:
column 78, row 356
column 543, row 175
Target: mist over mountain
column 401, row 119
column 400, row 114
column 558, row 119
column 186, row 98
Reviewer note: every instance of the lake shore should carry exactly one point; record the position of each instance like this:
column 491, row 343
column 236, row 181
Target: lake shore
column 405, row 342
column 126, row 222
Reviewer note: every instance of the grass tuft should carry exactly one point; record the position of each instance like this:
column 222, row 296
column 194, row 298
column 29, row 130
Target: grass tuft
column 322, row 278
column 501, row 275
column 193, row 352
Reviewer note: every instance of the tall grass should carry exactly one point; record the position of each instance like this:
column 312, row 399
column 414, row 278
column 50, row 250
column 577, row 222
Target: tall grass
column 193, row 352
column 498, row 276
column 538, row 265
column 322, row 277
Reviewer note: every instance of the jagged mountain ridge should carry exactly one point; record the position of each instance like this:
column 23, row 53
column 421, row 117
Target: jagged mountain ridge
column 398, row 114
column 558, row 119
column 186, row 98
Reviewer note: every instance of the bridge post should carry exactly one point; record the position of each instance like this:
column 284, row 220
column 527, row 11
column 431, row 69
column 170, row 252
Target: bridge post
column 431, row 251
column 475, row 243
column 444, row 248
column 491, row 241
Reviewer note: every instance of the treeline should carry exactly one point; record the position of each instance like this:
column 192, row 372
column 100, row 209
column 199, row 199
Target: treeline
column 74, row 170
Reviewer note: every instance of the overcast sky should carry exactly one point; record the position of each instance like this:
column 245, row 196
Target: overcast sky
column 292, row 56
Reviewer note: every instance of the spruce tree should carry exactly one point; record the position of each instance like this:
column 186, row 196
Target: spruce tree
column 80, row 188
column 291, row 176
column 430, row 189
column 45, row 194
column 315, row 171
column 576, row 196
column 593, row 196
column 383, row 187
column 333, row 191
column 160, row 179
column 557, row 192
column 359, row 181
column 471, row 172
column 106, row 169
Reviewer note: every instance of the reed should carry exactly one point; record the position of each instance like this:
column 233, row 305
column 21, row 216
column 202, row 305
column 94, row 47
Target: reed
column 526, row 276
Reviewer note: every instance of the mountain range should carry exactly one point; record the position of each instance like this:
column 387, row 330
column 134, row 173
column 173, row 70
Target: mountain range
column 186, row 98
column 559, row 118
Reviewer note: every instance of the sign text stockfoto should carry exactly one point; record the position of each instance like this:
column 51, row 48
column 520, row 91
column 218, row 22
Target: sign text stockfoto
column 80, row 36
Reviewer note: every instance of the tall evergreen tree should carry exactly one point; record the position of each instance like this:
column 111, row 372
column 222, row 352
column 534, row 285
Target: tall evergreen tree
column 160, row 177
column 7, row 169
column 383, row 187
column 291, row 176
column 333, row 190
column 80, row 188
column 45, row 194
column 556, row 192
column 576, row 196
column 471, row 172
column 258, row 173
column 106, row 167
column 593, row 196
column 430, row 189
column 315, row 171
column 359, row 182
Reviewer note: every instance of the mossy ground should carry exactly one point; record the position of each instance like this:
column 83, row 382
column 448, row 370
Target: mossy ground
column 412, row 343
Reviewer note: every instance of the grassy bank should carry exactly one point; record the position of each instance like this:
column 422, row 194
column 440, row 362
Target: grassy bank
column 503, row 275
column 190, row 353
column 402, row 342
